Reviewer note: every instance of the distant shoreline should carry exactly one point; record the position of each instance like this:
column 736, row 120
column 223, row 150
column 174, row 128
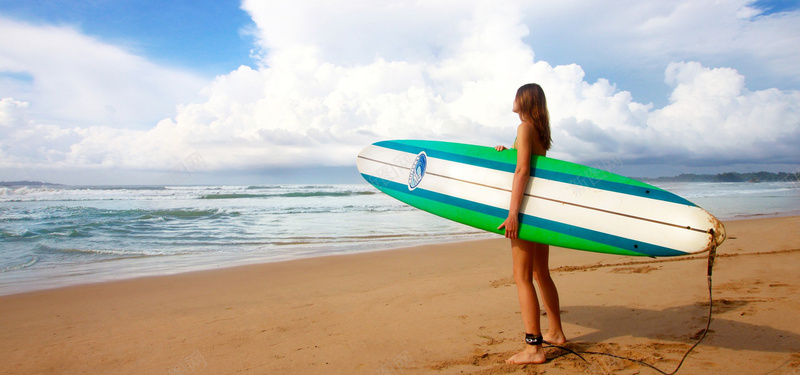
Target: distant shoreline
column 728, row 177
column 27, row 183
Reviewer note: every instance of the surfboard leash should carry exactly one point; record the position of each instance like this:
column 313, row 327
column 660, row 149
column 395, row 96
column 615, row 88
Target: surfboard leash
column 712, row 255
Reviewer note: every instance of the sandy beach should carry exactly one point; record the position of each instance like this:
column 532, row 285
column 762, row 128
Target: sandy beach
column 440, row 309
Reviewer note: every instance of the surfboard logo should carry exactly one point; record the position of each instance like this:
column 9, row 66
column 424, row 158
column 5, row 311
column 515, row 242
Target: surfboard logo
column 417, row 170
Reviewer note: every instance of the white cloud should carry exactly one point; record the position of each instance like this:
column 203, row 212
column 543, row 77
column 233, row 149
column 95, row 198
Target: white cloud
column 633, row 42
column 711, row 119
column 23, row 142
column 354, row 73
column 346, row 32
column 736, row 124
column 72, row 78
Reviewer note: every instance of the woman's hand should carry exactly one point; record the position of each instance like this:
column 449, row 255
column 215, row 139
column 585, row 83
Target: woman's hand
column 501, row 148
column 511, row 226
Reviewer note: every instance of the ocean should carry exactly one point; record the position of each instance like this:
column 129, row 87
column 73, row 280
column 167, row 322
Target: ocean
column 54, row 236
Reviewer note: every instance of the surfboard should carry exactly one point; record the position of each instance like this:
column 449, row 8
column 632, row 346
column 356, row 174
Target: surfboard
column 566, row 204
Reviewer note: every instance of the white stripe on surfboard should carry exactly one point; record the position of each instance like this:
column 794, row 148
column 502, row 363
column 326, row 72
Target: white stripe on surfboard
column 693, row 218
column 591, row 198
column 539, row 185
column 471, row 192
column 439, row 178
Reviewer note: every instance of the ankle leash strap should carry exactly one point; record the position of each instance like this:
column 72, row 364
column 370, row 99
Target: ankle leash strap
column 532, row 339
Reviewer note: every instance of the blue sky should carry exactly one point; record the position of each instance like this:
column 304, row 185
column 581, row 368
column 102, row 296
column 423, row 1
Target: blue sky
column 776, row 6
column 209, row 37
column 117, row 91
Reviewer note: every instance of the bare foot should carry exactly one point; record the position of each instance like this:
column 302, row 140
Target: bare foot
column 557, row 338
column 533, row 354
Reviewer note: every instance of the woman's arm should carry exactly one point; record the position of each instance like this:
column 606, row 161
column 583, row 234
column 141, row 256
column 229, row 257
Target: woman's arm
column 520, row 182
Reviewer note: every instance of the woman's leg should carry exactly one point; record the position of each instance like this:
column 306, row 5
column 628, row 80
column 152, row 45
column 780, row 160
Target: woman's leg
column 522, row 256
column 541, row 273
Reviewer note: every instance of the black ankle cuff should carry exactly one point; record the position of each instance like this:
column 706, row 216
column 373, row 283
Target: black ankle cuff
column 532, row 339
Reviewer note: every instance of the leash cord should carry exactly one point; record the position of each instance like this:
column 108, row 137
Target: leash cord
column 712, row 254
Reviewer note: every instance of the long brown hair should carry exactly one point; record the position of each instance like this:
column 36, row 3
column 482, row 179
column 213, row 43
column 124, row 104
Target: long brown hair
column 532, row 107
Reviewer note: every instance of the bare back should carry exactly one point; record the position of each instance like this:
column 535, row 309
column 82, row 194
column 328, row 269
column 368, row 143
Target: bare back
column 526, row 132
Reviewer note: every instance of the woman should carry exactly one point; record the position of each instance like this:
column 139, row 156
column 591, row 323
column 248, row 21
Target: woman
column 530, row 259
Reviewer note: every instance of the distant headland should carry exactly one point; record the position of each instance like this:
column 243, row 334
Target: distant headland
column 729, row 177
column 27, row 183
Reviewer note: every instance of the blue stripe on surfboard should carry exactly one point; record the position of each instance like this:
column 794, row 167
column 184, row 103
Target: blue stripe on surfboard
column 617, row 187
column 538, row 222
